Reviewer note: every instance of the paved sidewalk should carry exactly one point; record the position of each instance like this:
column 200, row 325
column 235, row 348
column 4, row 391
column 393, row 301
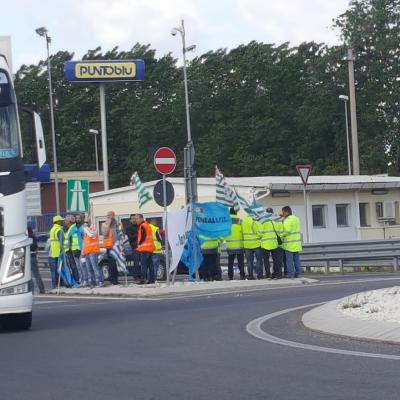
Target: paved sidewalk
column 182, row 288
column 328, row 319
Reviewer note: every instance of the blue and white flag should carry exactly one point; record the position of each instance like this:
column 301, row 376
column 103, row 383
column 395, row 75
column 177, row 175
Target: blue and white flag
column 224, row 193
column 255, row 210
column 212, row 219
column 64, row 272
column 191, row 255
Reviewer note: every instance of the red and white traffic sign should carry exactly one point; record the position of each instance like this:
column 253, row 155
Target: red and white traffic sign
column 165, row 160
column 304, row 171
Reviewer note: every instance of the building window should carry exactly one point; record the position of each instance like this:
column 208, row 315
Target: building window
column 364, row 211
column 379, row 210
column 342, row 215
column 318, row 216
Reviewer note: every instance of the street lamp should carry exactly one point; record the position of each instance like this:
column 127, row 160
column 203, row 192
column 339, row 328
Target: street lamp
column 189, row 150
column 44, row 33
column 345, row 99
column 95, row 133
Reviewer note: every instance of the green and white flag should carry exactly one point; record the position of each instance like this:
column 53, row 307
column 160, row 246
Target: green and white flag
column 144, row 195
column 224, row 193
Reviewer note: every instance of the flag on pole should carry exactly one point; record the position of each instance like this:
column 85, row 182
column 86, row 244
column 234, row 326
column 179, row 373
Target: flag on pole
column 224, row 193
column 255, row 210
column 144, row 195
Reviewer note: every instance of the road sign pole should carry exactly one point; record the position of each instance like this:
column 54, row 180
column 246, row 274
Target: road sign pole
column 306, row 211
column 104, row 134
column 166, row 227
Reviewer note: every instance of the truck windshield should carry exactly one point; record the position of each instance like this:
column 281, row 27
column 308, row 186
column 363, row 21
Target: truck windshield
column 9, row 136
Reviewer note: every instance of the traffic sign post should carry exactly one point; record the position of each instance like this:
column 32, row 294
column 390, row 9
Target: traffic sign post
column 165, row 164
column 304, row 171
column 77, row 195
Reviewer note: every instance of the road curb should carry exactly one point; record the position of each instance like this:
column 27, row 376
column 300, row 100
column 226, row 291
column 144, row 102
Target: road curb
column 328, row 319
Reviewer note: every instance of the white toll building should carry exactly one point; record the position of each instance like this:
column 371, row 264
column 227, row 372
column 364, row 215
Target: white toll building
column 340, row 208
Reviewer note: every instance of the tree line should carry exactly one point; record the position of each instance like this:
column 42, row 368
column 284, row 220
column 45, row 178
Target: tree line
column 258, row 109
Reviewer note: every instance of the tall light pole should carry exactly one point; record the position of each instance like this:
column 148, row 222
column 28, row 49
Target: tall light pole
column 353, row 113
column 43, row 33
column 191, row 186
column 95, row 133
column 345, row 99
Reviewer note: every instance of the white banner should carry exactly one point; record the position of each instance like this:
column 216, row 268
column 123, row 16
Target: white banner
column 179, row 224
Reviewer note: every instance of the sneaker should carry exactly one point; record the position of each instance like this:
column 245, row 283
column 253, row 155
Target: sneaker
column 100, row 284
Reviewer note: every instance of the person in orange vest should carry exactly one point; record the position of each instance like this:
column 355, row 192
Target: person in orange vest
column 145, row 248
column 90, row 251
column 110, row 236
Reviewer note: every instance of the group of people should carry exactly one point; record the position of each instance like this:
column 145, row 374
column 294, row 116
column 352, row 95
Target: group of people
column 74, row 245
column 278, row 238
column 73, row 248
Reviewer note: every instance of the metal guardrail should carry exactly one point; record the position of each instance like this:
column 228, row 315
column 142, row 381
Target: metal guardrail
column 377, row 253
column 361, row 253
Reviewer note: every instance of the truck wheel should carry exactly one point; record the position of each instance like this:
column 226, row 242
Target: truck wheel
column 161, row 273
column 16, row 322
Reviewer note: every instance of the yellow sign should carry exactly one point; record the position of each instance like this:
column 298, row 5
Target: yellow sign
column 109, row 70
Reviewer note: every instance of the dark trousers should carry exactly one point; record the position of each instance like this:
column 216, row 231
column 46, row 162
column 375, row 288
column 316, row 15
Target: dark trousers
column 240, row 260
column 258, row 253
column 36, row 273
column 147, row 267
column 267, row 265
column 72, row 266
column 208, row 268
column 112, row 269
column 137, row 273
column 277, row 257
column 284, row 262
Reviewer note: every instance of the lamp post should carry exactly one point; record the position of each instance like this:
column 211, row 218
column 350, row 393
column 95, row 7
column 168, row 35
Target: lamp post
column 189, row 150
column 345, row 99
column 44, row 33
column 95, row 132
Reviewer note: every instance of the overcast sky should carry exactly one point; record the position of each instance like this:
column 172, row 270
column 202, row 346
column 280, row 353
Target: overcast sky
column 79, row 25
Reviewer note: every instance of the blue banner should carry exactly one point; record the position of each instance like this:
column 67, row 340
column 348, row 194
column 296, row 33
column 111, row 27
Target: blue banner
column 191, row 255
column 212, row 219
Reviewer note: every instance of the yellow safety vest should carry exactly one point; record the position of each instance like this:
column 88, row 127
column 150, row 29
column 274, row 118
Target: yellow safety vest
column 209, row 245
column 291, row 234
column 278, row 225
column 157, row 243
column 72, row 244
column 55, row 244
column 234, row 242
column 251, row 239
column 268, row 236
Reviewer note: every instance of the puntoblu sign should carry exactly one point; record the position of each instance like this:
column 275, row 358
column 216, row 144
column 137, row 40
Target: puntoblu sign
column 104, row 70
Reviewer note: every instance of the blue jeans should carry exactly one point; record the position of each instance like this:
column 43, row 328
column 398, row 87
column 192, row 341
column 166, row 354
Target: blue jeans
column 155, row 260
column 53, row 269
column 258, row 252
column 95, row 274
column 293, row 264
column 147, row 267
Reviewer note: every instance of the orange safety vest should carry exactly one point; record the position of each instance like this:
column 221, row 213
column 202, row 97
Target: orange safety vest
column 108, row 240
column 148, row 245
column 91, row 244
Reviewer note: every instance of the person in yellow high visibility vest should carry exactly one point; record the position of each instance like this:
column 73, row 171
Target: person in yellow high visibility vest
column 71, row 248
column 56, row 238
column 156, row 256
column 234, row 246
column 291, row 242
column 209, row 269
column 252, row 247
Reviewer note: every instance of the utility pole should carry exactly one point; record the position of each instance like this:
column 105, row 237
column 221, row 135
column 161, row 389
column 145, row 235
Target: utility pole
column 353, row 113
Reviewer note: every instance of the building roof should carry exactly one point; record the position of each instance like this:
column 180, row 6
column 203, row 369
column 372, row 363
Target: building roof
column 288, row 183
column 91, row 176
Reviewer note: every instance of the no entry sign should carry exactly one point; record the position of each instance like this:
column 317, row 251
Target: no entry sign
column 165, row 160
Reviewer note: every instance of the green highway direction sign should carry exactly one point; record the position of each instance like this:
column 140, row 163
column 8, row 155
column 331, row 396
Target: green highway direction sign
column 77, row 195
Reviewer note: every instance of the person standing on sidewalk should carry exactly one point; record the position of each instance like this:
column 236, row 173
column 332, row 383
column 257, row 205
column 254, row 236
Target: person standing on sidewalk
column 90, row 251
column 34, row 263
column 234, row 246
column 131, row 233
column 56, row 237
column 252, row 247
column 157, row 239
column 145, row 247
column 291, row 241
column 110, row 236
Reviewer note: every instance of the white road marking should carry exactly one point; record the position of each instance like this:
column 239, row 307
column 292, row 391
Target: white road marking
column 254, row 329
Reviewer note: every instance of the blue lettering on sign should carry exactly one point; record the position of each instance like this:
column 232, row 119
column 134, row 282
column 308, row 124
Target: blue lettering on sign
column 8, row 153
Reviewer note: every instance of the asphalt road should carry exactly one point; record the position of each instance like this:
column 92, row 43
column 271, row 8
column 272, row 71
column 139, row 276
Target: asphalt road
column 191, row 348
